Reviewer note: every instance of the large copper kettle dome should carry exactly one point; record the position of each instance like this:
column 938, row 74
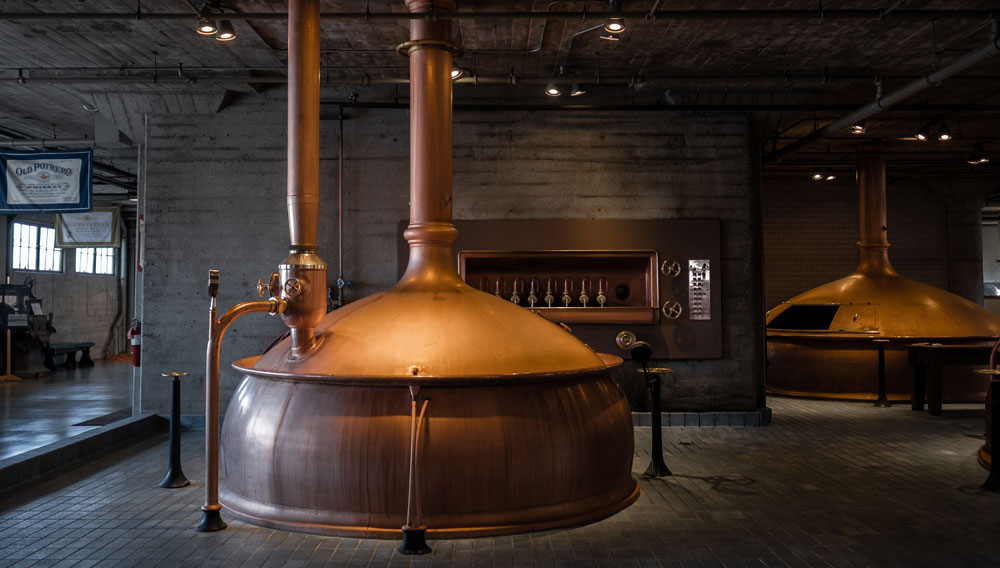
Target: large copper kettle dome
column 521, row 426
column 435, row 327
column 820, row 343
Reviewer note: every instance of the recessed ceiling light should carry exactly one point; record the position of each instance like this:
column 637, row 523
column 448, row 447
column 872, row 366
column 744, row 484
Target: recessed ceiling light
column 225, row 32
column 206, row 26
column 614, row 25
column 553, row 90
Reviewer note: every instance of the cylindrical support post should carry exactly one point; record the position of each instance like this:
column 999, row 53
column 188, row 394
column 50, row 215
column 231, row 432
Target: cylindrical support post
column 883, row 399
column 657, row 467
column 175, row 477
column 992, row 482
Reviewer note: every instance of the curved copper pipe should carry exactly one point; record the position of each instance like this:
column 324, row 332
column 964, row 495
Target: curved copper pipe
column 216, row 329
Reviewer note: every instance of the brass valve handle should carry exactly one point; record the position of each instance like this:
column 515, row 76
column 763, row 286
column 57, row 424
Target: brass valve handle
column 672, row 310
column 670, row 268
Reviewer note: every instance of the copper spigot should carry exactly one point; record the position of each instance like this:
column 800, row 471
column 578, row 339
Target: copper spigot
column 567, row 290
column 584, row 298
column 533, row 293
column 515, row 297
column 601, row 285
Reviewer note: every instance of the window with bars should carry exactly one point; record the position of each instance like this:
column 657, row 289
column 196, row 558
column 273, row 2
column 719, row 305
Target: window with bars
column 33, row 248
column 100, row 260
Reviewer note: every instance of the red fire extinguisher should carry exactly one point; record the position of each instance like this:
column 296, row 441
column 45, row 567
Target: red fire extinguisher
column 135, row 334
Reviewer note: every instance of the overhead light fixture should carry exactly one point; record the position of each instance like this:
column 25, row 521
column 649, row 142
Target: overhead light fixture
column 614, row 25
column 830, row 177
column 859, row 127
column 924, row 133
column 978, row 156
column 456, row 72
column 944, row 134
column 206, row 26
column 553, row 90
column 610, row 36
column 225, row 31
column 90, row 108
column 577, row 90
column 817, row 175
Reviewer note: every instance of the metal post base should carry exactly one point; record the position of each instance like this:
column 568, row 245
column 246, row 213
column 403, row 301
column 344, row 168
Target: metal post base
column 174, row 479
column 657, row 468
column 211, row 521
column 414, row 541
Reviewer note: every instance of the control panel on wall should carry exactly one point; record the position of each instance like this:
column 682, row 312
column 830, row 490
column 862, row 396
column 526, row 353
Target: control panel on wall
column 569, row 286
column 658, row 278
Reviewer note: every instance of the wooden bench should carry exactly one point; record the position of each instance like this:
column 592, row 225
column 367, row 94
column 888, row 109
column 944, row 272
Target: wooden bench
column 69, row 349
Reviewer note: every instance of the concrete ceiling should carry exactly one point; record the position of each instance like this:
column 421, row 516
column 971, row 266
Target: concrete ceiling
column 794, row 66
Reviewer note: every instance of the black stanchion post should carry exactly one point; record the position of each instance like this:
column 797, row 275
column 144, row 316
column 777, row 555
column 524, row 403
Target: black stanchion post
column 992, row 482
column 883, row 400
column 657, row 467
column 175, row 477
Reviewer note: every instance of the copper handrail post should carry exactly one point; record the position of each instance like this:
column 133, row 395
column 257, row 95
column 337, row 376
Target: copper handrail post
column 211, row 519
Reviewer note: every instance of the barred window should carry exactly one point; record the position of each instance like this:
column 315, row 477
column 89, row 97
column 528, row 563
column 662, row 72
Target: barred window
column 100, row 260
column 33, row 248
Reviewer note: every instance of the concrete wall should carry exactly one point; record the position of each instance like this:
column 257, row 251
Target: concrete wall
column 811, row 232
column 215, row 199
column 83, row 306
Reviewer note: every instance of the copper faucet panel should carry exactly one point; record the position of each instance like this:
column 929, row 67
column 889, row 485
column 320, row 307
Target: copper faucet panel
column 627, row 287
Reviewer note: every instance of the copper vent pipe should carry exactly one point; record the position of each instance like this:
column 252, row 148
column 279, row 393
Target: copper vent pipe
column 430, row 233
column 873, row 241
column 302, row 275
column 303, row 128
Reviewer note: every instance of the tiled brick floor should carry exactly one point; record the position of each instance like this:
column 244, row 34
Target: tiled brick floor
column 829, row 484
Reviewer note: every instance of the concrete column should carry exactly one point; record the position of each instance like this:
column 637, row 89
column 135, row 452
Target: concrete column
column 964, row 201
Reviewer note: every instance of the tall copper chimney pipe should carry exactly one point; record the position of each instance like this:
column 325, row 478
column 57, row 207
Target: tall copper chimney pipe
column 873, row 242
column 303, row 273
column 430, row 233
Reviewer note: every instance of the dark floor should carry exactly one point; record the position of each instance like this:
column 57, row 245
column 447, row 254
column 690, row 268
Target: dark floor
column 40, row 411
column 828, row 484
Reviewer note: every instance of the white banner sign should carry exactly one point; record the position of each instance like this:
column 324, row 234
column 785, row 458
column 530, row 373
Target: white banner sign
column 96, row 228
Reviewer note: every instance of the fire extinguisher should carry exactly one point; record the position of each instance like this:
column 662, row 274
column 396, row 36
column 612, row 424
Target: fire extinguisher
column 135, row 334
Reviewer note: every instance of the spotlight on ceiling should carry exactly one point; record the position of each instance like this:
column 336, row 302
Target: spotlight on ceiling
column 206, row 26
column 978, row 156
column 830, row 177
column 225, row 31
column 944, row 134
column 553, row 90
column 614, row 25
column 817, row 175
column 456, row 72
column 859, row 127
column 577, row 90
column 924, row 133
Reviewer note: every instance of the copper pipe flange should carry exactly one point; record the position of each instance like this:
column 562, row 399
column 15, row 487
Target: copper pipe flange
column 408, row 47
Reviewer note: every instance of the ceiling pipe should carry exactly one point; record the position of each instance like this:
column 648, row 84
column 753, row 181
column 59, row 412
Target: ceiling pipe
column 667, row 15
column 775, row 80
column 882, row 103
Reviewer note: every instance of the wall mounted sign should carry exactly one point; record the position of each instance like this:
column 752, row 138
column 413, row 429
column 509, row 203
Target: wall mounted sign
column 56, row 181
column 96, row 228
